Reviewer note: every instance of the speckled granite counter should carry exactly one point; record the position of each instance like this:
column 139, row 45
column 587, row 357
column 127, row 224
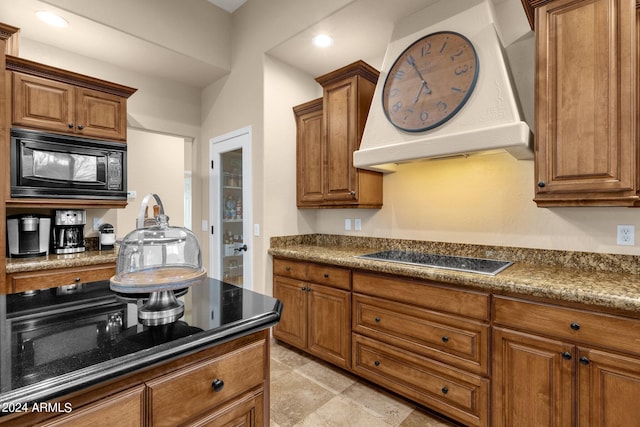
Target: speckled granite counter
column 597, row 280
column 50, row 262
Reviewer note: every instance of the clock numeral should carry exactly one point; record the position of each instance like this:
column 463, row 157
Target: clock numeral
column 408, row 112
column 396, row 107
column 442, row 106
column 426, row 49
column 461, row 70
column 458, row 53
column 424, row 116
column 443, row 46
column 394, row 92
column 399, row 75
column 457, row 89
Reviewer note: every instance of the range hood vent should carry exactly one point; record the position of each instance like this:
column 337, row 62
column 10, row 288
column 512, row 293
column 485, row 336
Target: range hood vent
column 489, row 121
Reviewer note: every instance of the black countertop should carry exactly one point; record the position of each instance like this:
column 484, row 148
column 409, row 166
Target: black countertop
column 52, row 344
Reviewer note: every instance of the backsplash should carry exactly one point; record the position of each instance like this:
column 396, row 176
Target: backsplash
column 553, row 258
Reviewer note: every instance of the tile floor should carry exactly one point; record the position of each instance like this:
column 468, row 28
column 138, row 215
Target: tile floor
column 307, row 392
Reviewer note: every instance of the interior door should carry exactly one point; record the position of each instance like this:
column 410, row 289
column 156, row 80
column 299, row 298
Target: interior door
column 230, row 208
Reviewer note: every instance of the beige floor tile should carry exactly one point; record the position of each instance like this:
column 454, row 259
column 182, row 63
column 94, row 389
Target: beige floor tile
column 327, row 376
column 288, row 356
column 418, row 418
column 294, row 397
column 387, row 406
column 279, row 369
column 342, row 412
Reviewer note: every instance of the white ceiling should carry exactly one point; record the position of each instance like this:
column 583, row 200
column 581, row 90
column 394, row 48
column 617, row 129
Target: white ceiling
column 361, row 30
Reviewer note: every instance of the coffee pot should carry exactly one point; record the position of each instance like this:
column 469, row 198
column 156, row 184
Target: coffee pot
column 68, row 231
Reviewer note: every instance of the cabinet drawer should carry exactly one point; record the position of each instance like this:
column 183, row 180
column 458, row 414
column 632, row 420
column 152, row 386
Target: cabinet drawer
column 330, row 276
column 454, row 393
column 43, row 279
column 440, row 336
column 288, row 268
column 429, row 295
column 597, row 329
column 188, row 392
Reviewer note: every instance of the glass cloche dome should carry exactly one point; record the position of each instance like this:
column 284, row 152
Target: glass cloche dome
column 158, row 259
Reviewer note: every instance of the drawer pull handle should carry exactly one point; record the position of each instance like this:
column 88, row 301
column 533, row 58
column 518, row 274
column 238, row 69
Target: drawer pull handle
column 377, row 319
column 377, row 363
column 575, row 326
column 566, row 355
column 326, row 275
column 445, row 390
column 217, row 385
column 445, row 339
column 584, row 360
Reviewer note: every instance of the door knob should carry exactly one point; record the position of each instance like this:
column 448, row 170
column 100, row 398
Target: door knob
column 241, row 248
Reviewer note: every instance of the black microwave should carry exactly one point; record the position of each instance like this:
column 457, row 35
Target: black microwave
column 47, row 165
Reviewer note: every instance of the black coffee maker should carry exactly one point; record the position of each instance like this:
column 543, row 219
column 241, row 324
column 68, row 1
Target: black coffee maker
column 68, row 231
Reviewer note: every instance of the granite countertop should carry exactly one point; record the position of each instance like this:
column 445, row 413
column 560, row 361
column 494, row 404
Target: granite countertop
column 599, row 281
column 83, row 362
column 50, row 262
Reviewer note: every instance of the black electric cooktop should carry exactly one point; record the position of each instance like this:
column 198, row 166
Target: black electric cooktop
column 489, row 267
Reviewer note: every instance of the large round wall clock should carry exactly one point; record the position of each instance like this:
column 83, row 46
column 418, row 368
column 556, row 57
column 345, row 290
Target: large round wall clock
column 430, row 81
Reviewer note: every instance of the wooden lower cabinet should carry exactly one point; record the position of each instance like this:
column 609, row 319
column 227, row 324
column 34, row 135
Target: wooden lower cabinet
column 557, row 366
column 450, row 391
column 316, row 317
column 532, row 381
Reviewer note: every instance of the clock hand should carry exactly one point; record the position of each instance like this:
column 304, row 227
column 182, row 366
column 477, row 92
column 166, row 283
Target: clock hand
column 412, row 62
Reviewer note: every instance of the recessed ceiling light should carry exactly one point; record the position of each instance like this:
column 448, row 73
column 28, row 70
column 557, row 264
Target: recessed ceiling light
column 52, row 19
column 322, row 40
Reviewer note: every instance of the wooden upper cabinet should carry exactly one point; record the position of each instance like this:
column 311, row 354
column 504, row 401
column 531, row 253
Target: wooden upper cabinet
column 586, row 137
column 51, row 99
column 325, row 172
column 310, row 173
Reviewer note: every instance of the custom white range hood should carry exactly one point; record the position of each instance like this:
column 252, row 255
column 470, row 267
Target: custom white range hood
column 490, row 119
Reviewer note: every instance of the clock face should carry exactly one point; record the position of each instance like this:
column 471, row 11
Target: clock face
column 430, row 81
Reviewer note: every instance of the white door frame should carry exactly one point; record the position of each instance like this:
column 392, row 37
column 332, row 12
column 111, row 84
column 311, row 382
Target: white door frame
column 238, row 139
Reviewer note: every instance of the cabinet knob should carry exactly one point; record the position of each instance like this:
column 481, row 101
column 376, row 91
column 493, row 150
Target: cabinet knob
column 542, row 184
column 303, row 289
column 70, row 125
column 326, row 275
column 80, row 127
column 585, row 360
column 77, row 280
column 287, row 268
column 566, row 355
column 217, row 385
column 445, row 339
column 377, row 363
column 575, row 326
column 353, row 193
column 445, row 390
column 377, row 319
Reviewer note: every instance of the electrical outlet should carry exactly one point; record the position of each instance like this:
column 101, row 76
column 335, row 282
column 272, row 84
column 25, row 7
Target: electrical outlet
column 357, row 224
column 347, row 224
column 97, row 222
column 626, row 235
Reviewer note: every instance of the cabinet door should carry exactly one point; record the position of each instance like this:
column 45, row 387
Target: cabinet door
column 43, row 103
column 101, row 115
column 292, row 327
column 609, row 389
column 309, row 154
column 340, row 121
column 122, row 409
column 585, row 90
column 532, row 384
column 330, row 324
